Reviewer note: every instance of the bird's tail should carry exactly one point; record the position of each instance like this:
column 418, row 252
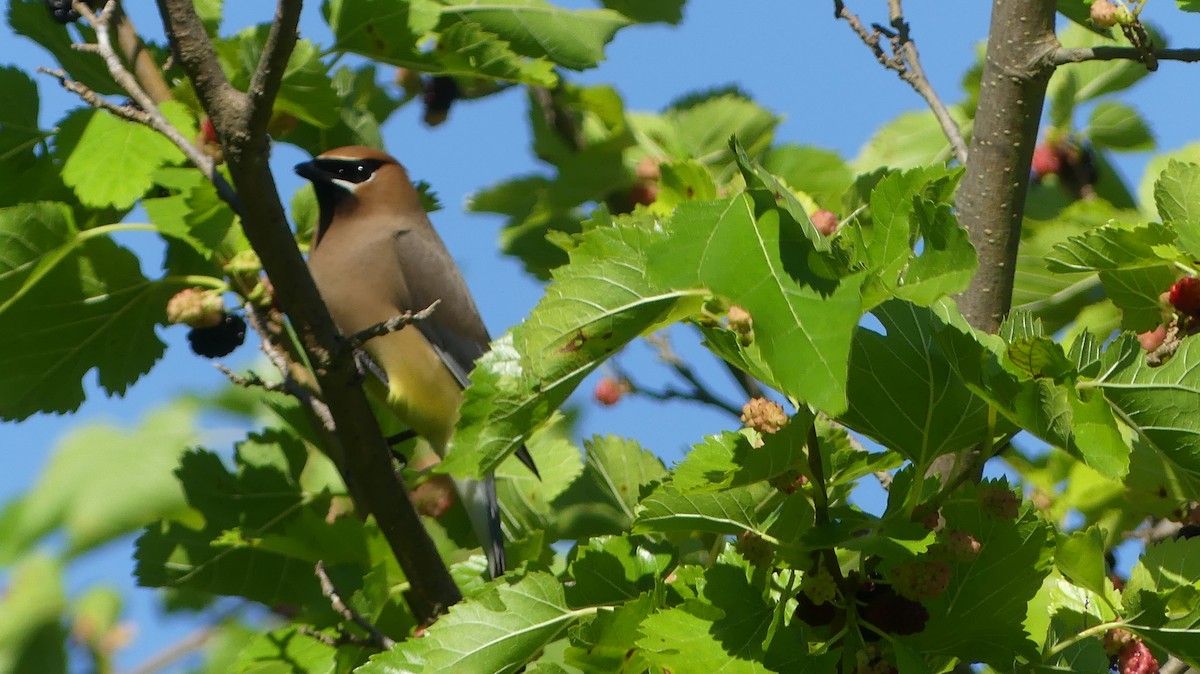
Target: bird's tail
column 479, row 498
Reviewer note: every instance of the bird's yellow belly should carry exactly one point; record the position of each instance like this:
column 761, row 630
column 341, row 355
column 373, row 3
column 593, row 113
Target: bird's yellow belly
column 421, row 390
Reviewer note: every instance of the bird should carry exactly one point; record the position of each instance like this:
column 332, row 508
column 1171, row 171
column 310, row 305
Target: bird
column 375, row 255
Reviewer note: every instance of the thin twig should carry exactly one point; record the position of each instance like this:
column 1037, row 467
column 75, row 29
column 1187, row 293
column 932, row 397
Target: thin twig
column 700, row 391
column 377, row 638
column 1066, row 56
column 906, row 63
column 151, row 116
column 393, row 324
column 252, row 380
column 272, row 64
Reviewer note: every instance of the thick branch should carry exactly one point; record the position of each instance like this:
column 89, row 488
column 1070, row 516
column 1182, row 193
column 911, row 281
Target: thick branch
column 991, row 199
column 367, row 459
column 1081, row 54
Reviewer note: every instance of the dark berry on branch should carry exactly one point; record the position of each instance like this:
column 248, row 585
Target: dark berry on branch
column 60, row 11
column 440, row 93
column 219, row 340
column 1184, row 295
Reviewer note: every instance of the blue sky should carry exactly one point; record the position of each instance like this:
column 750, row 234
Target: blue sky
column 792, row 57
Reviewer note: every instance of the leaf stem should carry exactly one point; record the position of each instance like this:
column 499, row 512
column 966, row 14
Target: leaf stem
column 1086, row 634
column 191, row 280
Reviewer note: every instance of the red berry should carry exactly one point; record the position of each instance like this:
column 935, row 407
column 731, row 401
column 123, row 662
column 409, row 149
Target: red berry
column 1136, row 658
column 825, row 221
column 1185, row 296
column 1047, row 160
column 434, row 496
column 608, row 391
column 643, row 192
column 208, row 131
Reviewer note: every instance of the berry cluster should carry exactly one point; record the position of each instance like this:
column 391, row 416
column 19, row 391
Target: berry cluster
column 921, row 580
column 961, row 547
column 999, row 503
column 889, row 612
column 819, row 586
column 1072, row 163
column 1136, row 658
column 1184, row 296
column 61, row 11
column 438, row 94
column 825, row 221
column 764, row 416
column 755, row 549
column 609, row 390
column 788, row 481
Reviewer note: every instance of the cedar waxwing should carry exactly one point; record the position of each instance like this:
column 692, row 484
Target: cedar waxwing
column 375, row 255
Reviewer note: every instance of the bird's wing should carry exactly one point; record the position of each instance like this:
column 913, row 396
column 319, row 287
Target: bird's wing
column 454, row 329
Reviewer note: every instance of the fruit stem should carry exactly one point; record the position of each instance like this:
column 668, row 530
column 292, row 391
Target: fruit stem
column 1086, row 634
column 193, row 280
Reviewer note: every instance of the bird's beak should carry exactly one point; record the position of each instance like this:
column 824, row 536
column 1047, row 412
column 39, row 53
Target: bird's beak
column 311, row 171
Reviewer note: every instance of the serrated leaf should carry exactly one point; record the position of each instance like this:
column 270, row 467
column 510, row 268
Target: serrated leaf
column 526, row 500
column 306, row 91
column 1080, row 557
column 597, row 303
column 19, row 130
column 1118, row 126
column 283, row 651
column 364, row 106
column 497, row 631
column 602, row 645
column 611, row 570
column 821, row 174
column 911, row 140
column 660, row 11
column 571, row 38
column 1177, row 195
column 83, row 303
column 30, row 18
column 762, row 266
column 467, row 49
column 261, row 532
column 980, row 617
column 907, row 372
column 1148, row 399
column 732, row 511
column 617, row 474
column 1166, row 569
column 383, row 30
column 114, row 160
column 1111, row 247
column 735, row 460
column 724, row 632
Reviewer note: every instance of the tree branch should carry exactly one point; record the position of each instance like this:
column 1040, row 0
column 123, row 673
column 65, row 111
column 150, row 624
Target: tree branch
column 272, row 64
column 366, row 461
column 1065, row 56
column 377, row 639
column 906, row 63
column 991, row 199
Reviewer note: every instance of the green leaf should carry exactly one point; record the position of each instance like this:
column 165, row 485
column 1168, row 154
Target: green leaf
column 29, row 18
column 735, row 459
column 261, row 532
column 1188, row 5
column 382, row 30
column 1079, row 11
column 19, row 130
column 617, row 474
column 364, row 105
column 1112, row 247
column 1080, row 557
column 32, row 637
column 1177, row 195
column 306, row 91
column 602, row 645
column 911, row 140
column 821, row 174
column 284, row 651
column 497, row 631
column 1094, row 79
column 113, row 161
column 732, row 511
column 467, row 49
column 661, row 11
column 907, row 371
column 596, row 304
column 947, row 260
column 1166, row 570
column 803, row 333
column 701, row 129
column 980, row 617
column 528, row 499
column 83, row 303
column 611, row 570
column 1117, row 126
column 79, row 493
column 1148, row 399
column 573, row 39
column 723, row 632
